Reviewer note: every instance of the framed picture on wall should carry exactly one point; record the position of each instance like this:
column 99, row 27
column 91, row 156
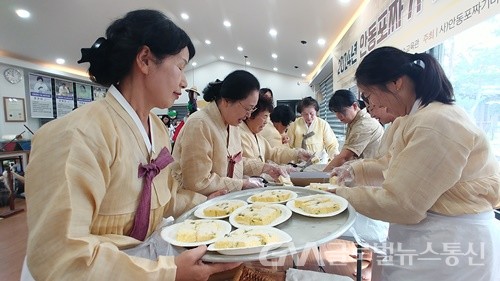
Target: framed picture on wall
column 14, row 109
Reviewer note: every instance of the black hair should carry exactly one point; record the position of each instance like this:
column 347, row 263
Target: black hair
column 341, row 99
column 387, row 64
column 362, row 104
column 283, row 114
column 308, row 101
column 111, row 59
column 238, row 85
column 264, row 104
column 39, row 78
column 265, row 90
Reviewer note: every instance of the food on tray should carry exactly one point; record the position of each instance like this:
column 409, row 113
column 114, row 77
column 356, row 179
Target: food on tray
column 197, row 230
column 243, row 238
column 258, row 214
column 317, row 204
column 222, row 208
column 270, row 196
column 320, row 186
column 334, row 180
column 285, row 180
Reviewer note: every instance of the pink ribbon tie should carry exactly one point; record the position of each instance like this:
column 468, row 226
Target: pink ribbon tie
column 148, row 172
column 232, row 162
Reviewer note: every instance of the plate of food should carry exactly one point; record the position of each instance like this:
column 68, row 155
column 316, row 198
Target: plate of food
column 274, row 196
column 259, row 214
column 193, row 233
column 219, row 210
column 245, row 241
column 318, row 205
column 322, row 186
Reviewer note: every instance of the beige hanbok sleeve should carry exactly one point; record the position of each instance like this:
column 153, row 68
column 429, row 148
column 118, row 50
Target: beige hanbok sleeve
column 371, row 171
column 257, row 147
column 294, row 134
column 440, row 162
column 330, row 142
column 279, row 154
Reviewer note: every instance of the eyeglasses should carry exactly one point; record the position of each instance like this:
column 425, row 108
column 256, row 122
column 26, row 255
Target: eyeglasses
column 251, row 110
column 366, row 99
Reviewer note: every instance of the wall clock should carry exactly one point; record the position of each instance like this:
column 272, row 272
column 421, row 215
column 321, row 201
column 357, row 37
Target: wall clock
column 13, row 75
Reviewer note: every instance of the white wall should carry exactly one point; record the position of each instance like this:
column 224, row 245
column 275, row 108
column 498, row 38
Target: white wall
column 283, row 86
column 9, row 129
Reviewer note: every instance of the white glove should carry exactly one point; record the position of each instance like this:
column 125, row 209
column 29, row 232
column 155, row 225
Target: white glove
column 274, row 170
column 253, row 183
column 305, row 155
column 344, row 174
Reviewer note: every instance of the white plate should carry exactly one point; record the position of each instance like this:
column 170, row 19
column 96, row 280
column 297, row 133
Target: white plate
column 340, row 200
column 324, row 186
column 285, row 215
column 284, row 238
column 169, row 234
column 199, row 212
column 293, row 195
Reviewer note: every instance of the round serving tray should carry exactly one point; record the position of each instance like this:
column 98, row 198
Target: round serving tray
column 306, row 232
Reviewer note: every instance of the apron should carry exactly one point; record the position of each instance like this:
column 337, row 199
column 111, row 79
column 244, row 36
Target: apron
column 151, row 248
column 154, row 246
column 460, row 248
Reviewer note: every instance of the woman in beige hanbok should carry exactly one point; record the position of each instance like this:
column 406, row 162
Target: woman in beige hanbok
column 313, row 133
column 98, row 183
column 441, row 180
column 209, row 144
column 269, row 132
column 257, row 147
column 364, row 133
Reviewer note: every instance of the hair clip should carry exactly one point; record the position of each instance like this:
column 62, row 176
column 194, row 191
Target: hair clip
column 87, row 53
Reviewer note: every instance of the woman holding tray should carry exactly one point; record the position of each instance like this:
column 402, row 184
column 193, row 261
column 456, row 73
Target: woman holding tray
column 98, row 182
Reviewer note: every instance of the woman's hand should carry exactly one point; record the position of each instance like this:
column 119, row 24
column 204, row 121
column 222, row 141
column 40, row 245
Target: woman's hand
column 305, row 155
column 191, row 268
column 344, row 174
column 274, row 170
column 253, row 183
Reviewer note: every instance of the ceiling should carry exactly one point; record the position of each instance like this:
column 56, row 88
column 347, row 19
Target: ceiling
column 60, row 28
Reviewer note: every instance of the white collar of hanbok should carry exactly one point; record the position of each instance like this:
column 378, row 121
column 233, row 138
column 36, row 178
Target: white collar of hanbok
column 415, row 106
column 131, row 112
column 310, row 128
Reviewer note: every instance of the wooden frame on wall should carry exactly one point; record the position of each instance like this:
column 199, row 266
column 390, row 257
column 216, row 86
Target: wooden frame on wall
column 14, row 110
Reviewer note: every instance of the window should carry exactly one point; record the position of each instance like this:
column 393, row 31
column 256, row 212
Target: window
column 339, row 128
column 471, row 60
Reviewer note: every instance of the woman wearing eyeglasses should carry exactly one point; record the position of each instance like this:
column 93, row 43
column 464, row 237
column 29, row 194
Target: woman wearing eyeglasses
column 255, row 146
column 209, row 145
column 441, row 180
column 313, row 133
